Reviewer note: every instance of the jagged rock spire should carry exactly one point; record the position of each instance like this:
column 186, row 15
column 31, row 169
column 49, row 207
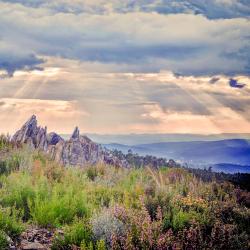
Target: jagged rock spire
column 31, row 120
column 78, row 151
column 76, row 133
column 30, row 126
column 31, row 134
column 27, row 130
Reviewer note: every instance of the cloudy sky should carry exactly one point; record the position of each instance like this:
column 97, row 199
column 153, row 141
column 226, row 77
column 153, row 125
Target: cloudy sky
column 126, row 66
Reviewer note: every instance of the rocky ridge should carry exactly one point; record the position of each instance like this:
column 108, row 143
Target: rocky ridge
column 79, row 150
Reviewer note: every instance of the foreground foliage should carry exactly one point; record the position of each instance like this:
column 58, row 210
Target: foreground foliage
column 103, row 207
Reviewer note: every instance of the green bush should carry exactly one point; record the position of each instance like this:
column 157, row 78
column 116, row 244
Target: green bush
column 92, row 173
column 3, row 241
column 18, row 191
column 101, row 245
column 10, row 224
column 4, row 142
column 10, row 164
column 183, row 219
column 79, row 233
column 58, row 208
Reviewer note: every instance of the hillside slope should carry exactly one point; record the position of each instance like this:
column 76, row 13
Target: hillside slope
column 44, row 205
column 235, row 151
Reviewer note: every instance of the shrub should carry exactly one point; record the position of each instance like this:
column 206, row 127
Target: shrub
column 3, row 167
column 226, row 236
column 12, row 163
column 3, row 241
column 105, row 224
column 141, row 231
column 5, row 142
column 9, row 223
column 79, row 234
column 18, row 190
column 92, row 173
column 181, row 220
column 101, row 245
column 100, row 196
column 58, row 208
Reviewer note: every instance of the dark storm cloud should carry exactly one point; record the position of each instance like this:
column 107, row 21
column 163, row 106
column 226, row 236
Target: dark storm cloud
column 125, row 53
column 26, row 62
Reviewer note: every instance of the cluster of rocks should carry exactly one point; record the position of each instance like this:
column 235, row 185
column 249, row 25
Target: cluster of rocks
column 34, row 239
column 79, row 150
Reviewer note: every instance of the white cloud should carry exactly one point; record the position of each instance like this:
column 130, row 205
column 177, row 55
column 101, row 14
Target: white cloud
column 13, row 113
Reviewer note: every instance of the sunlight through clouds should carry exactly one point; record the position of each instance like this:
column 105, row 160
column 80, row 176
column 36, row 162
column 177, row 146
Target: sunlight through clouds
column 126, row 102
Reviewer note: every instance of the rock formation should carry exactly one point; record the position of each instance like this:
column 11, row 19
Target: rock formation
column 79, row 150
column 31, row 134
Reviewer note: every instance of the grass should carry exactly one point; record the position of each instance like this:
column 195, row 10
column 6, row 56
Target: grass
column 103, row 207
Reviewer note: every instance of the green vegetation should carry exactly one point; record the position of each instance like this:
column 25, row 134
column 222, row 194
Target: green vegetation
column 103, row 207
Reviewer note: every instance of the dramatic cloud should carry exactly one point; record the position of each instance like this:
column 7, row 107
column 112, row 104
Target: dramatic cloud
column 124, row 102
column 126, row 66
column 137, row 41
column 212, row 9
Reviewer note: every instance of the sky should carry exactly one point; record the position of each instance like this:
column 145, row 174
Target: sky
column 126, row 66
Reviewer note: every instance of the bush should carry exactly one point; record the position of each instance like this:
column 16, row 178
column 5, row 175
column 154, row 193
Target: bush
column 4, row 245
column 101, row 245
column 10, row 224
column 181, row 220
column 5, row 142
column 227, row 236
column 105, row 224
column 18, row 191
column 92, row 173
column 79, row 233
column 4, row 167
column 10, row 164
column 58, row 208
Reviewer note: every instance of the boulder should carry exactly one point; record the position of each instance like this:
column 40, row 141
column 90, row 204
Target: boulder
column 33, row 246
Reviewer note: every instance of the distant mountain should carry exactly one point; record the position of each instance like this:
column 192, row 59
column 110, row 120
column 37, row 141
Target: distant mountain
column 230, row 168
column 196, row 153
column 135, row 139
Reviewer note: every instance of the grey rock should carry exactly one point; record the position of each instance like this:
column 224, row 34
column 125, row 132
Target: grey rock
column 79, row 150
column 53, row 138
column 33, row 246
column 32, row 135
column 75, row 134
